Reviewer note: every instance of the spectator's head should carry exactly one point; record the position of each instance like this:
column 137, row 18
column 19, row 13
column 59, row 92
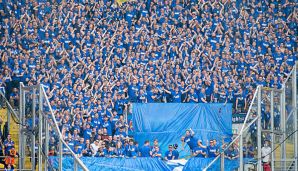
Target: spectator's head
column 170, row 148
column 155, row 142
column 267, row 143
column 156, row 148
column 131, row 142
column 187, row 132
column 211, row 143
column 182, row 138
column 175, row 146
column 147, row 143
column 119, row 144
column 81, row 140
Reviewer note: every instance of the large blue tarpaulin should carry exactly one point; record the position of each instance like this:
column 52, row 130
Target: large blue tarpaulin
column 141, row 164
column 113, row 164
column 168, row 121
column 196, row 164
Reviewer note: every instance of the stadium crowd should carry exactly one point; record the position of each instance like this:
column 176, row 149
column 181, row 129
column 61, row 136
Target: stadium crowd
column 95, row 58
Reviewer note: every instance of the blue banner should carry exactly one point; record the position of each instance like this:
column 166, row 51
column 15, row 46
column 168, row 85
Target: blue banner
column 167, row 122
column 195, row 164
column 142, row 164
column 112, row 164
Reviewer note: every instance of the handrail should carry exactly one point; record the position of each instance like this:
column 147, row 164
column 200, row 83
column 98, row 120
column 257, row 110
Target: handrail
column 59, row 133
column 289, row 75
column 250, row 108
column 243, row 126
column 10, row 108
column 216, row 158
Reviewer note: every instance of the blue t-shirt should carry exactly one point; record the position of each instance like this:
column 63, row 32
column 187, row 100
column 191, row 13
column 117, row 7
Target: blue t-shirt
column 108, row 126
column 176, row 96
column 199, row 150
column 145, row 151
column 191, row 141
column 232, row 153
column 157, row 152
column 175, row 154
column 169, row 155
column 212, row 150
column 246, row 151
column 87, row 134
column 202, row 95
column 119, row 152
column 8, row 145
column 131, row 150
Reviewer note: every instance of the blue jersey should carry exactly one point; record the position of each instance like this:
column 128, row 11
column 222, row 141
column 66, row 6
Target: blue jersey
column 176, row 155
column 246, row 151
column 119, row 152
column 176, row 96
column 145, row 151
column 108, row 126
column 157, row 152
column 191, row 141
column 169, row 155
column 87, row 133
column 8, row 145
column 131, row 151
column 199, row 150
column 231, row 153
column 212, row 150
column 202, row 95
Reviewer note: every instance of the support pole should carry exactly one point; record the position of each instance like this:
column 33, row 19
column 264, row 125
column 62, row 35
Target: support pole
column 40, row 126
column 75, row 165
column 294, row 104
column 222, row 162
column 21, row 135
column 24, row 136
column 46, row 144
column 46, row 127
column 272, row 128
column 259, row 132
column 241, row 152
column 60, row 155
column 283, row 128
column 33, row 129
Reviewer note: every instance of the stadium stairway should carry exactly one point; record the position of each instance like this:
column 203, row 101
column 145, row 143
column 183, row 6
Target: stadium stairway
column 14, row 131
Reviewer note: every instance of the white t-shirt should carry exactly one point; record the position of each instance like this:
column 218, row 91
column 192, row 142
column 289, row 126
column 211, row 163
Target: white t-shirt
column 95, row 148
column 266, row 152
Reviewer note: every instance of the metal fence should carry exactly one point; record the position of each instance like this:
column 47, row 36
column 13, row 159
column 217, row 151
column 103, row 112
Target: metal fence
column 272, row 116
column 40, row 132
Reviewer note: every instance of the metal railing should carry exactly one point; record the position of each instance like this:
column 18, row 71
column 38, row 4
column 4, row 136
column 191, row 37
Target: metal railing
column 244, row 128
column 10, row 111
column 284, row 102
column 35, row 106
column 61, row 140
